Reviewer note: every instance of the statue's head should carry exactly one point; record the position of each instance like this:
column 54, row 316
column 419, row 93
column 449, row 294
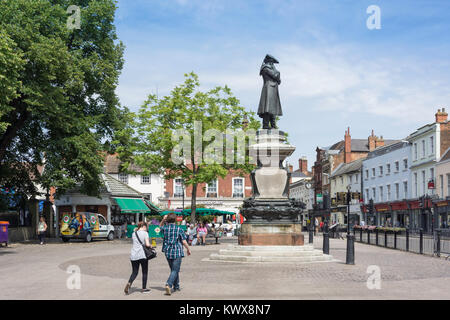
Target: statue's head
column 270, row 59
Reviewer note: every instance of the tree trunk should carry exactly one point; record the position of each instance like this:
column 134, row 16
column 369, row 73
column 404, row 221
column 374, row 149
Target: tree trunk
column 193, row 203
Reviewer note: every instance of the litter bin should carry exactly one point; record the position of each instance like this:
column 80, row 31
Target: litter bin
column 4, row 232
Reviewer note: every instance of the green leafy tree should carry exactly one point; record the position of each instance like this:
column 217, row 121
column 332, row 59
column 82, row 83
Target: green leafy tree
column 57, row 92
column 152, row 134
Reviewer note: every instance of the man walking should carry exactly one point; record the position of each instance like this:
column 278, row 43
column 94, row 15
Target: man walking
column 173, row 242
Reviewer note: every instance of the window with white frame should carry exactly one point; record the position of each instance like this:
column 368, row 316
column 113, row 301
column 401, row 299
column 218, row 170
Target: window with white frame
column 374, row 194
column 123, row 177
column 373, row 172
column 388, row 192
column 431, row 145
column 388, row 168
column 397, row 166
column 415, row 151
column 367, row 196
column 432, row 174
column 357, row 178
column 238, row 188
column 349, row 179
column 381, row 170
column 416, row 185
column 178, row 188
column 381, row 194
column 397, row 191
column 211, row 189
column 448, row 185
column 146, row 179
column 367, row 174
column 423, row 149
column 405, row 189
column 423, row 182
column 405, row 164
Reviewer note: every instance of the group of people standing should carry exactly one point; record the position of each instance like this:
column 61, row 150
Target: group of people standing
column 174, row 239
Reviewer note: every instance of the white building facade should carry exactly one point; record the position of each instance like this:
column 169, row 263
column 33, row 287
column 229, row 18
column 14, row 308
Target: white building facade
column 386, row 179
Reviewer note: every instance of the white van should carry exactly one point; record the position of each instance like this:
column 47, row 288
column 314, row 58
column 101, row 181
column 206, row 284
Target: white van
column 85, row 225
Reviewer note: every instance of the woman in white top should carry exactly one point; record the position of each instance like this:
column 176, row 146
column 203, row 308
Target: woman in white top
column 41, row 229
column 138, row 256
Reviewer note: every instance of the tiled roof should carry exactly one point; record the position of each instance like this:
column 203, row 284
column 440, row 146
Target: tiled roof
column 358, row 145
column 117, row 188
column 112, row 164
column 347, row 167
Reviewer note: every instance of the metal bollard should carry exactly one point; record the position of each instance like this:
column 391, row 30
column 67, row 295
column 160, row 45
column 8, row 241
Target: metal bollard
column 407, row 240
column 311, row 235
column 395, row 240
column 376, row 236
column 421, row 242
column 438, row 244
column 326, row 242
column 368, row 236
column 360, row 235
column 385, row 238
column 350, row 258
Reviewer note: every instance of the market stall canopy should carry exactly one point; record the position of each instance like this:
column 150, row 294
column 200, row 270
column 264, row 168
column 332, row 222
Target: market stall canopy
column 200, row 212
column 154, row 209
column 132, row 205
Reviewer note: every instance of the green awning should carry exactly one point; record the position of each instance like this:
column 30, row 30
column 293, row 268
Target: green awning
column 199, row 212
column 154, row 209
column 132, row 205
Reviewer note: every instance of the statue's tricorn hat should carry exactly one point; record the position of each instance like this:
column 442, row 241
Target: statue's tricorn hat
column 270, row 58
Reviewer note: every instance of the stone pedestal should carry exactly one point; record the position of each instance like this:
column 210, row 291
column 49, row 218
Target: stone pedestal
column 271, row 217
column 271, row 234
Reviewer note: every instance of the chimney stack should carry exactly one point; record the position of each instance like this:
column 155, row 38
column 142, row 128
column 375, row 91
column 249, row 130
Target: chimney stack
column 372, row 141
column 303, row 165
column 441, row 116
column 347, row 146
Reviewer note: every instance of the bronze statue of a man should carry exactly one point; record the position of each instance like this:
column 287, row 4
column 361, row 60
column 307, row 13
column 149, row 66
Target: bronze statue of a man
column 269, row 104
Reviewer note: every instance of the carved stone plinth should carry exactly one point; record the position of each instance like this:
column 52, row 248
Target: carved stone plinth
column 271, row 217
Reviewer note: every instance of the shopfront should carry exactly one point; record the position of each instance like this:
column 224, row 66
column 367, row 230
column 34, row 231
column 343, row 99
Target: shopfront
column 384, row 215
column 441, row 213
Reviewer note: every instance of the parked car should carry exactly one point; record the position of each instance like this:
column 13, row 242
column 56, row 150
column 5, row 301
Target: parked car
column 86, row 226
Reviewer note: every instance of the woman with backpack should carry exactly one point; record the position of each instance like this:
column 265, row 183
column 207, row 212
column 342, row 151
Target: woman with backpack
column 140, row 238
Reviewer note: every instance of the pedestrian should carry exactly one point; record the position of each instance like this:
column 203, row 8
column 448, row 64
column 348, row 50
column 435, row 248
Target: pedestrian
column 202, row 231
column 138, row 257
column 192, row 235
column 42, row 229
column 321, row 226
column 316, row 223
column 173, row 242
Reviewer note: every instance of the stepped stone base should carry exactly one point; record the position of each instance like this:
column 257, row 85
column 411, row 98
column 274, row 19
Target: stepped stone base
column 299, row 254
column 274, row 234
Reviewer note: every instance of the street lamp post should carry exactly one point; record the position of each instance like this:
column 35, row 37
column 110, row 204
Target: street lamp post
column 311, row 232
column 350, row 257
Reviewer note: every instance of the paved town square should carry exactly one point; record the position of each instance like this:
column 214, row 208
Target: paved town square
column 31, row 271
column 224, row 151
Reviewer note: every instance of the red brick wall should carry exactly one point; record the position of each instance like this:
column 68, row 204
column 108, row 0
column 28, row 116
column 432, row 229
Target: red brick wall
column 445, row 137
column 225, row 187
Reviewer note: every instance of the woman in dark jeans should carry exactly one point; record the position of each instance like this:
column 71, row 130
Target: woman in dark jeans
column 138, row 257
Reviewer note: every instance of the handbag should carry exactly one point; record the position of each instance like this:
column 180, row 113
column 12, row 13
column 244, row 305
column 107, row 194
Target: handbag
column 150, row 253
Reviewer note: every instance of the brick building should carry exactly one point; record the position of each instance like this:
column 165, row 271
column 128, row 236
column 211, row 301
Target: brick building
column 225, row 194
column 329, row 158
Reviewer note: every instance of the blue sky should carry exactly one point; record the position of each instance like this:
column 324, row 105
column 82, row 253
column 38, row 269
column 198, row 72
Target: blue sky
column 335, row 72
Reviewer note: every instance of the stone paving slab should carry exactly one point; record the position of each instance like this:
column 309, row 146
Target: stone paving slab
column 31, row 271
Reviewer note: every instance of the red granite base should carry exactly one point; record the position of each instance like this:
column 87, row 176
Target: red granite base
column 264, row 239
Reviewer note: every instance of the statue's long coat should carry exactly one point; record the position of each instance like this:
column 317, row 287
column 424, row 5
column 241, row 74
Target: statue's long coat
column 270, row 98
